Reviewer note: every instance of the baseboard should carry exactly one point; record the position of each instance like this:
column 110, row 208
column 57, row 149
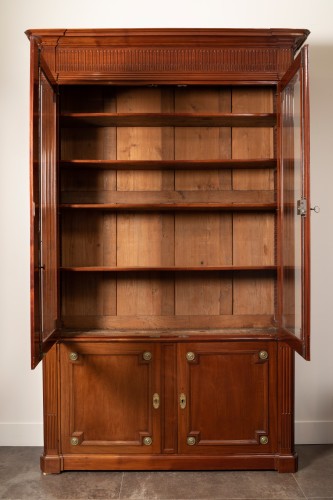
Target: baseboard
column 316, row 432
column 21, row 434
column 32, row 434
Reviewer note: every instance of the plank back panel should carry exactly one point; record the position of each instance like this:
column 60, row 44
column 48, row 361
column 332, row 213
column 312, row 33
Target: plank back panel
column 167, row 239
column 144, row 239
column 248, row 143
column 88, row 238
column 253, row 234
column 203, row 239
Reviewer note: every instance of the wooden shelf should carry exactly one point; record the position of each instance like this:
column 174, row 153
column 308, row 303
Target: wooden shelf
column 167, row 120
column 168, row 199
column 175, row 333
column 239, row 207
column 169, row 164
column 125, row 269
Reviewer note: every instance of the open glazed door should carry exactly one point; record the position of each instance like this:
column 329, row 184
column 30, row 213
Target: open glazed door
column 295, row 205
column 43, row 198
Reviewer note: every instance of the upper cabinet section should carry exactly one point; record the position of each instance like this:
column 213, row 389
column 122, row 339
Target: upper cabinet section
column 161, row 56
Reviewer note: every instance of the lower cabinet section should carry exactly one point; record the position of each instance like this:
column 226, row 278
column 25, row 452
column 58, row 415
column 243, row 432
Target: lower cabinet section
column 168, row 405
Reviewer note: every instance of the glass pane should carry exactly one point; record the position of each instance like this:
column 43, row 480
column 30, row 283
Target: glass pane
column 292, row 165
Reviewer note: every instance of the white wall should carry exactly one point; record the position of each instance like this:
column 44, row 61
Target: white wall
column 20, row 389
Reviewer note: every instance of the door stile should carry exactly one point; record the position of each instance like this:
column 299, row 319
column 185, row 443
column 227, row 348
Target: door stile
column 35, row 270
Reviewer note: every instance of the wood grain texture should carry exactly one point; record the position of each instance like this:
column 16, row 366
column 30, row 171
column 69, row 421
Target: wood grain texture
column 107, row 398
column 170, row 243
column 51, row 460
column 198, row 143
column 174, row 55
column 78, row 319
column 234, row 415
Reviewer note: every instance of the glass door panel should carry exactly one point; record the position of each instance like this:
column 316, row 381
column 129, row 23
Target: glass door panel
column 295, row 252
column 43, row 194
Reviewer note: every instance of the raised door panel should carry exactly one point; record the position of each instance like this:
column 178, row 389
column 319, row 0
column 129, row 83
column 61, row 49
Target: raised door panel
column 227, row 398
column 109, row 398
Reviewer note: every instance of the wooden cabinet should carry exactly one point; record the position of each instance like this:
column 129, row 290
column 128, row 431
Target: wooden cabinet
column 170, row 245
column 211, row 398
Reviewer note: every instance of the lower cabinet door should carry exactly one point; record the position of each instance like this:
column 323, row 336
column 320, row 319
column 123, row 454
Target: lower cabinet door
column 227, row 398
column 110, row 398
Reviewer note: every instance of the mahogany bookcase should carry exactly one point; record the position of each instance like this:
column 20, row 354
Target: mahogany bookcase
column 169, row 245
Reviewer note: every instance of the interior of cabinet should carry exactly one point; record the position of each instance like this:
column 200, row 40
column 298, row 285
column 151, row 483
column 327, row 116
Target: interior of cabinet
column 167, row 207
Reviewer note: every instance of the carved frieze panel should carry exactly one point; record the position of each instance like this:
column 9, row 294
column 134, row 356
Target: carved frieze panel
column 169, row 61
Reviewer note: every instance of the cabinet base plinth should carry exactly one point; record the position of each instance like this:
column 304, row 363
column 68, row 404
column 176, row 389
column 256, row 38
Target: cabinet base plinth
column 287, row 463
column 51, row 464
column 160, row 462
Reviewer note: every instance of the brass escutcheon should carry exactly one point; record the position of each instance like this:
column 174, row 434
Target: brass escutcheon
column 263, row 439
column 182, row 401
column 156, row 401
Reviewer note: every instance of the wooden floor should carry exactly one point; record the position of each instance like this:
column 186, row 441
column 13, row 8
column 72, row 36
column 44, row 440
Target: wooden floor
column 20, row 478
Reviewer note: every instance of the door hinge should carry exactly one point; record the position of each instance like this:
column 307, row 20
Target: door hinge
column 302, row 207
